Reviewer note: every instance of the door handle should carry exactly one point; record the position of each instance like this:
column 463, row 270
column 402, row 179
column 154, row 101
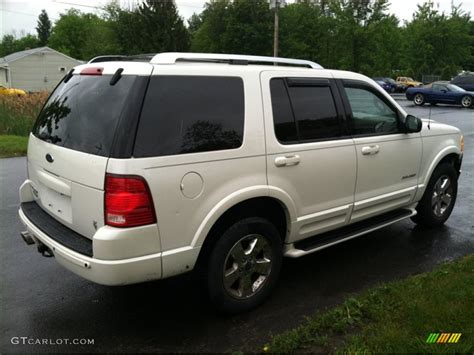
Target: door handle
column 370, row 150
column 288, row 160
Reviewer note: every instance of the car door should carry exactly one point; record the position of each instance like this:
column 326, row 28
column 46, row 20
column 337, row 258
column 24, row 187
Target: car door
column 441, row 94
column 310, row 157
column 388, row 160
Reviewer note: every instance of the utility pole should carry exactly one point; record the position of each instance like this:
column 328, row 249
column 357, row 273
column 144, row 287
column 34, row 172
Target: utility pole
column 275, row 6
column 276, row 30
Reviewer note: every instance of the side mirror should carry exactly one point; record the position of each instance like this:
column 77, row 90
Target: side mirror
column 443, row 91
column 413, row 124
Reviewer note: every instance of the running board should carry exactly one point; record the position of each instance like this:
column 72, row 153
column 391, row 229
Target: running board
column 324, row 240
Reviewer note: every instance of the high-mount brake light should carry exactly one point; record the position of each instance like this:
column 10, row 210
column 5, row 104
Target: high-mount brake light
column 128, row 201
column 92, row 71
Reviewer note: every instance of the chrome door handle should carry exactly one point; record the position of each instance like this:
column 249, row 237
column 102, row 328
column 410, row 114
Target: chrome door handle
column 370, row 150
column 288, row 160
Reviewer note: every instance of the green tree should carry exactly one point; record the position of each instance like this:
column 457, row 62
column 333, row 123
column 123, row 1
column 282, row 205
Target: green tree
column 154, row 26
column 43, row 28
column 437, row 43
column 10, row 44
column 239, row 26
column 83, row 36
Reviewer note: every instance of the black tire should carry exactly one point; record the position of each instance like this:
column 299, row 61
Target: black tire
column 466, row 101
column 419, row 99
column 427, row 215
column 230, row 298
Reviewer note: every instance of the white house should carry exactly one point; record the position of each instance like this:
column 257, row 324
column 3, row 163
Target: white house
column 35, row 69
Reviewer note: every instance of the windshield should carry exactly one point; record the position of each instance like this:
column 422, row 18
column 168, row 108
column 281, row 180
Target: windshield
column 390, row 80
column 83, row 113
column 455, row 88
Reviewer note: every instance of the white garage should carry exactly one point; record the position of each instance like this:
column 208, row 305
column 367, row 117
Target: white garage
column 35, row 69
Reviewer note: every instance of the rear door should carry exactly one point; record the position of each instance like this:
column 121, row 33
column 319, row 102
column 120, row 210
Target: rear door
column 78, row 129
column 309, row 155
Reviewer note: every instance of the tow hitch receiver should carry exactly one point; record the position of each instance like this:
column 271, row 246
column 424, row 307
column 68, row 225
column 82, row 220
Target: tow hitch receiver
column 42, row 249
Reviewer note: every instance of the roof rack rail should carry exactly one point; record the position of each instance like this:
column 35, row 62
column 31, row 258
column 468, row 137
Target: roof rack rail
column 122, row 58
column 174, row 57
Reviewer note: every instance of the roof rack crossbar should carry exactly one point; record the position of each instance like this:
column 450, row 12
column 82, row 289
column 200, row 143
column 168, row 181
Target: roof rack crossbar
column 174, row 57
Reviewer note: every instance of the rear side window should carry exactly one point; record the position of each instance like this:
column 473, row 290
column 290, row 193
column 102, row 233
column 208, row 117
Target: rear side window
column 190, row 114
column 83, row 113
column 303, row 110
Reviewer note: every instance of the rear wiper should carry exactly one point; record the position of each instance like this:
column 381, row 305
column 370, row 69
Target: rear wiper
column 68, row 76
column 116, row 77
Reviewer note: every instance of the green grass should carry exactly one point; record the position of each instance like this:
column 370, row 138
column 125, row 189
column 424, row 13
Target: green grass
column 12, row 146
column 395, row 317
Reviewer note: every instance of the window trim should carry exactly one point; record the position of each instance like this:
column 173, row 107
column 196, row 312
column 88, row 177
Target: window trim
column 312, row 82
column 341, row 84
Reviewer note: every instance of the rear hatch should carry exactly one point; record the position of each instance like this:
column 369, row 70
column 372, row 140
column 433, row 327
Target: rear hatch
column 89, row 117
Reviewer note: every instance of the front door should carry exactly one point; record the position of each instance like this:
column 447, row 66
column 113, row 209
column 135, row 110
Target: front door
column 388, row 160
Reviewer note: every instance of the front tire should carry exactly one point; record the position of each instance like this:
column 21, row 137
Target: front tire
column 466, row 101
column 244, row 265
column 439, row 198
column 419, row 99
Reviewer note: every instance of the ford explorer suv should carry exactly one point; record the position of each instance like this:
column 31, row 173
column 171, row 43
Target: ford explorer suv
column 142, row 168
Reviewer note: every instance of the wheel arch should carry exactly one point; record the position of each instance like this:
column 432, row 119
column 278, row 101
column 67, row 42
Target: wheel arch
column 267, row 202
column 450, row 154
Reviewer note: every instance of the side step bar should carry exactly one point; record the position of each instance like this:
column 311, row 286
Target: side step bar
column 324, row 240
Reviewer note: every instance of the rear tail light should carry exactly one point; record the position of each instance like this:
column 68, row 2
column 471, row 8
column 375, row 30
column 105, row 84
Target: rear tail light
column 128, row 201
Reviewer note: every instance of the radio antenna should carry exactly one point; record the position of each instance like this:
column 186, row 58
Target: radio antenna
column 429, row 117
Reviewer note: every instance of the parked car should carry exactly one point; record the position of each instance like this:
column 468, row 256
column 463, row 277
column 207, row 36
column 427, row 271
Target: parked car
column 140, row 171
column 464, row 81
column 386, row 86
column 4, row 91
column 408, row 82
column 440, row 92
column 394, row 86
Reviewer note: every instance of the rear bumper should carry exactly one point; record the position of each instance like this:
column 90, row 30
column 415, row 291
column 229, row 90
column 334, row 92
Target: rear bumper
column 105, row 272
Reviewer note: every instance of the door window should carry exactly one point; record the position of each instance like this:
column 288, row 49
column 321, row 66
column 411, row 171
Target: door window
column 303, row 110
column 370, row 113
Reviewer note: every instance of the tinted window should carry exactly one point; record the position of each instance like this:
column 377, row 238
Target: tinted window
column 371, row 115
column 315, row 112
column 283, row 120
column 437, row 87
column 83, row 113
column 189, row 114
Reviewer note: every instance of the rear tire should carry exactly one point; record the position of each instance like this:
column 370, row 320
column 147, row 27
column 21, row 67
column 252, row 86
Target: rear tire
column 244, row 265
column 439, row 198
column 419, row 99
column 466, row 101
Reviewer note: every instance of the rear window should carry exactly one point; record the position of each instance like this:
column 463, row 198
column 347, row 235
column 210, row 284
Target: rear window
column 83, row 113
column 190, row 114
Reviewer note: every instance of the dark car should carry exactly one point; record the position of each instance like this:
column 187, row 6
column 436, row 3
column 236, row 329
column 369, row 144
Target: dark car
column 386, row 86
column 394, row 86
column 440, row 92
column 465, row 81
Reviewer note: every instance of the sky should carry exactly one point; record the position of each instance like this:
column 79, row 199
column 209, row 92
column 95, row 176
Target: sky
column 19, row 17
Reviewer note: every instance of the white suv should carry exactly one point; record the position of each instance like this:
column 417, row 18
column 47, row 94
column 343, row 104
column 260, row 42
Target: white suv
column 144, row 168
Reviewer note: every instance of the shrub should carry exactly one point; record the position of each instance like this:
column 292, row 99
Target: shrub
column 18, row 113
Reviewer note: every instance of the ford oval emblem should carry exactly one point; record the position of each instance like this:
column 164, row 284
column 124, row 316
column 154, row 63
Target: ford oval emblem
column 49, row 158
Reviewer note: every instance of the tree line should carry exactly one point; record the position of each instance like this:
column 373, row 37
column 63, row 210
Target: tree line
column 357, row 35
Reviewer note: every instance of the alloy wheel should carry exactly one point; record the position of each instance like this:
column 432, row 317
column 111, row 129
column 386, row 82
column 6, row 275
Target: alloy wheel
column 247, row 266
column 442, row 196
